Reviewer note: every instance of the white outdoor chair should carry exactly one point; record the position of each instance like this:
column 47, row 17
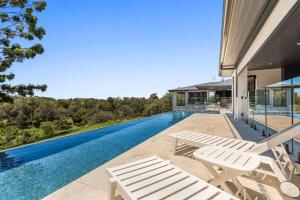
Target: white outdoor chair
column 153, row 178
column 271, row 143
column 234, row 163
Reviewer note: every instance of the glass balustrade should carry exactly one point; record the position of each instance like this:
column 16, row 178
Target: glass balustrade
column 276, row 107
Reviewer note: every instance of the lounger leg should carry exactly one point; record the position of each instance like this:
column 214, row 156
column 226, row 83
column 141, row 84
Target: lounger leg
column 175, row 146
column 112, row 192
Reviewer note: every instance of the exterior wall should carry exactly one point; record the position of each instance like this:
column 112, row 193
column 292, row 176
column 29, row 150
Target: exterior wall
column 266, row 77
column 240, row 89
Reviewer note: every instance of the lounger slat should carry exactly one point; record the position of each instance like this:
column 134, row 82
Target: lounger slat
column 188, row 191
column 209, row 139
column 137, row 167
column 228, row 158
column 222, row 142
column 133, row 163
column 239, row 145
column 156, row 178
column 242, row 160
column 192, row 138
column 248, row 146
column 215, row 140
column 187, row 135
column 144, row 170
column 157, row 186
column 233, row 144
column 227, row 143
column 190, row 135
column 225, row 155
column 222, row 196
column 217, row 153
column 205, row 139
column 174, row 188
column 205, row 194
column 149, row 174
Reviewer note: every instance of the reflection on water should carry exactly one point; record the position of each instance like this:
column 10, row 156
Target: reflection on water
column 7, row 162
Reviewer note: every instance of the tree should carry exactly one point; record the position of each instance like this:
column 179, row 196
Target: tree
column 18, row 23
column 153, row 96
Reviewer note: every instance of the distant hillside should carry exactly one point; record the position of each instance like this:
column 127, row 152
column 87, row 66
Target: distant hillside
column 30, row 119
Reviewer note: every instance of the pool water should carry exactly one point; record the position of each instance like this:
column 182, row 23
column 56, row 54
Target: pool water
column 34, row 171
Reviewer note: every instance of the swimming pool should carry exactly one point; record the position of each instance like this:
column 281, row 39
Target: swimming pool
column 33, row 171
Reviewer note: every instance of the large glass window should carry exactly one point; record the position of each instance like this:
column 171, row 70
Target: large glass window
column 211, row 94
column 180, row 98
column 251, row 90
column 262, row 97
column 279, row 97
column 197, row 98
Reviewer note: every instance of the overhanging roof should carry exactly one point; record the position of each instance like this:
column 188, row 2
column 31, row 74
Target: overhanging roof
column 242, row 19
column 282, row 49
column 220, row 85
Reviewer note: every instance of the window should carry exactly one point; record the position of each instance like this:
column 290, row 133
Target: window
column 180, row 98
column 251, row 90
column 260, row 97
column 197, row 98
column 279, row 97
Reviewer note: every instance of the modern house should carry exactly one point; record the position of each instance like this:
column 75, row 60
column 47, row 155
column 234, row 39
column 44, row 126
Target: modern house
column 260, row 50
column 201, row 96
column 260, row 46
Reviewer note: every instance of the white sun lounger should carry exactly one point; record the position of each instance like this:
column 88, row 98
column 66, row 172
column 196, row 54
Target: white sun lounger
column 153, row 178
column 233, row 162
column 200, row 139
column 271, row 143
column 284, row 167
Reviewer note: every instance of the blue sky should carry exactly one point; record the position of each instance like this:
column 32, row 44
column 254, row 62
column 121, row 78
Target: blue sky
column 102, row 48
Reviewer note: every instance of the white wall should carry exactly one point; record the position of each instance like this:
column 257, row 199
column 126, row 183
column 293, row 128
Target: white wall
column 266, row 77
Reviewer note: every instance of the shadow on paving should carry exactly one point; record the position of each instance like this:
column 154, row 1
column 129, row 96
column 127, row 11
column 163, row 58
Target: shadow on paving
column 248, row 133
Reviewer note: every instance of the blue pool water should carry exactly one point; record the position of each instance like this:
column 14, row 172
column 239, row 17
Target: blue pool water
column 33, row 171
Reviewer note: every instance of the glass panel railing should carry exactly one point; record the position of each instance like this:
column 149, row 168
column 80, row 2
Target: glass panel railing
column 275, row 108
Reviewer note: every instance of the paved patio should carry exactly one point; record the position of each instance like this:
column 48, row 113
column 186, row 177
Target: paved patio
column 94, row 185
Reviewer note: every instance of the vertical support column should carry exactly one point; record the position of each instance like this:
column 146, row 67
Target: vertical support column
column 234, row 94
column 186, row 100
column 242, row 94
column 174, row 100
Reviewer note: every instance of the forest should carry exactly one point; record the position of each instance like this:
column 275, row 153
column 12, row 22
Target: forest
column 31, row 119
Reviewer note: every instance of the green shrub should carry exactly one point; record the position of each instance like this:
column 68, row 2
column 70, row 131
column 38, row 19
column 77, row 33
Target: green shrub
column 63, row 123
column 47, row 127
column 102, row 116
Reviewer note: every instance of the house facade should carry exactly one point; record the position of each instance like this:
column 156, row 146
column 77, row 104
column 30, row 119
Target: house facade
column 201, row 97
column 260, row 51
column 260, row 47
